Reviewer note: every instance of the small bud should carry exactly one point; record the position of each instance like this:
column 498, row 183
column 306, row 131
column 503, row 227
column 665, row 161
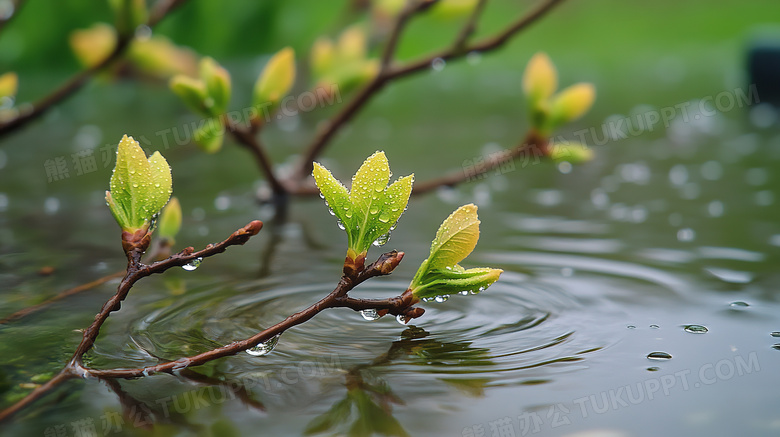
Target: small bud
column 170, row 220
column 322, row 56
column 159, row 57
column 352, row 44
column 572, row 103
column 276, row 80
column 217, row 81
column 210, row 136
column 93, row 45
column 573, row 152
column 452, row 9
column 129, row 14
column 9, row 84
column 540, row 79
column 192, row 92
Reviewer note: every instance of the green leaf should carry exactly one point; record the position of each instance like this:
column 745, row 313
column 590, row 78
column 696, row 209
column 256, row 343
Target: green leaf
column 210, row 136
column 453, row 280
column 572, row 152
column 140, row 187
column 440, row 273
column 371, row 209
column 276, row 80
column 192, row 92
column 571, row 103
column 217, row 81
column 456, row 238
column 170, row 220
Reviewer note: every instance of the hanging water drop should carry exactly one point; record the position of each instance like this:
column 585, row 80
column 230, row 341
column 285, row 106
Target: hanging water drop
column 442, row 298
column 382, row 240
column 370, row 314
column 265, row 347
column 341, row 225
column 463, row 293
column 192, row 265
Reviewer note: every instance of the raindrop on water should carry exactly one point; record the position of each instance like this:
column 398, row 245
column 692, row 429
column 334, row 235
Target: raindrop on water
column 654, row 327
column 370, row 314
column 776, row 346
column 658, row 356
column 696, row 329
column 739, row 304
column 653, row 369
column 264, row 348
column 631, row 327
column 775, row 334
column 192, row 265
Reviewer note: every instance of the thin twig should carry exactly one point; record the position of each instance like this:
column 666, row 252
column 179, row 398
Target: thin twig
column 328, row 131
column 471, row 25
column 135, row 271
column 75, row 83
column 383, row 266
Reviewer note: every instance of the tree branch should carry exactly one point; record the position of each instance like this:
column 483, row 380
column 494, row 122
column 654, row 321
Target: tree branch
column 247, row 139
column 326, row 134
column 135, row 271
column 81, row 78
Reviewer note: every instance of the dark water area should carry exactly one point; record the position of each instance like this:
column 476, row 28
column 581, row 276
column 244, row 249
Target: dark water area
column 639, row 296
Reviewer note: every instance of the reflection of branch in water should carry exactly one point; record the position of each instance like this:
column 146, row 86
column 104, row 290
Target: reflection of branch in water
column 367, row 406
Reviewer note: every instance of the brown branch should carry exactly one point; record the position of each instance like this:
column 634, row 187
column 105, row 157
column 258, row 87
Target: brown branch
column 327, row 133
column 135, row 271
column 533, row 145
column 383, row 266
column 247, row 139
column 75, row 83
column 471, row 25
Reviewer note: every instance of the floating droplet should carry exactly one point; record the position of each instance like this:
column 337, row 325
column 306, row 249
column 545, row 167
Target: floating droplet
column 658, row 356
column 739, row 304
column 653, row 369
column 264, row 348
column 401, row 319
column 696, row 329
column 631, row 327
column 775, row 334
column 370, row 314
column 192, row 265
column 776, row 346
column 654, row 327
column 442, row 298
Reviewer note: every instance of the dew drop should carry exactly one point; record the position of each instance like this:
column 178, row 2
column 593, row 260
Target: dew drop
column 658, row 356
column 463, row 293
column 341, row 225
column 265, row 347
column 427, row 299
column 438, row 64
column 135, row 185
column 192, row 265
column 696, row 329
column 330, row 210
column 370, row 314
column 442, row 298
column 374, row 209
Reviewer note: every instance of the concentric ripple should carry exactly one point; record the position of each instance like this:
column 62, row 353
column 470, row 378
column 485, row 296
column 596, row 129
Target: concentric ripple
column 520, row 331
